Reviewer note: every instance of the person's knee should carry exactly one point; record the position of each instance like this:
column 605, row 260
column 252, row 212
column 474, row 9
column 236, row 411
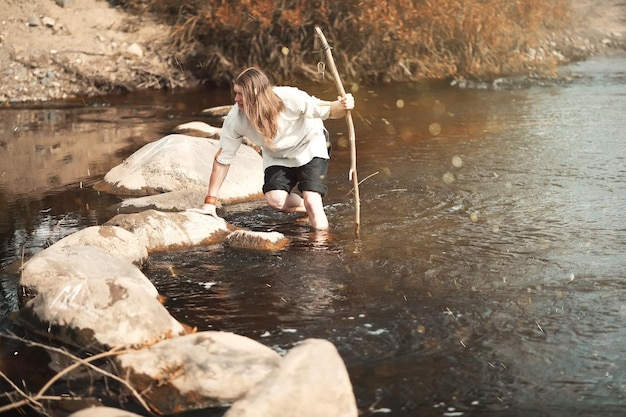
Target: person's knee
column 312, row 201
column 283, row 201
column 310, row 197
column 275, row 201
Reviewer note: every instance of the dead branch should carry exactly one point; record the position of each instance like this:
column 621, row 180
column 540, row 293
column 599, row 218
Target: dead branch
column 361, row 182
column 33, row 400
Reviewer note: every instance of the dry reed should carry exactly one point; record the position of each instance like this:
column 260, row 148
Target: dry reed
column 394, row 40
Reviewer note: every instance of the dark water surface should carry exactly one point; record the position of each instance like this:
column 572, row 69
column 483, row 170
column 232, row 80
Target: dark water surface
column 489, row 278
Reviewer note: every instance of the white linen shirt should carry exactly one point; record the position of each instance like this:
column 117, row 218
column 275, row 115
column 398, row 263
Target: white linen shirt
column 300, row 136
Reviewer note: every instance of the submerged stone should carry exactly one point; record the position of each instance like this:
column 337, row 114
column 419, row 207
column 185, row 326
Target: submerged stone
column 265, row 241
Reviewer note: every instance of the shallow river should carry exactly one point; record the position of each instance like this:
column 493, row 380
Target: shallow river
column 489, row 277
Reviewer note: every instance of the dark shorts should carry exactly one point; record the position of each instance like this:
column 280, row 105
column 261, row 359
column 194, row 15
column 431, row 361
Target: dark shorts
column 309, row 177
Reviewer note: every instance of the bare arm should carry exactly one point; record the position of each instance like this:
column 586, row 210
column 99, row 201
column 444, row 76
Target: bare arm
column 339, row 107
column 218, row 175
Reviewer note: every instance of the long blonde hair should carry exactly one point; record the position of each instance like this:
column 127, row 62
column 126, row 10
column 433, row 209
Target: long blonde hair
column 260, row 102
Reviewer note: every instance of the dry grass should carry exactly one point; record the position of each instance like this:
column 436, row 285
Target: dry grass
column 373, row 41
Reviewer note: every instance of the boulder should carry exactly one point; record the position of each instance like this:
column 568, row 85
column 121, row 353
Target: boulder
column 161, row 231
column 84, row 296
column 115, row 240
column 264, row 241
column 180, row 162
column 206, row 369
column 312, row 381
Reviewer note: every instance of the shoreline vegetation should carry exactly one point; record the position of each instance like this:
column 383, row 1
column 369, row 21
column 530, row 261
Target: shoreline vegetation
column 395, row 40
column 97, row 47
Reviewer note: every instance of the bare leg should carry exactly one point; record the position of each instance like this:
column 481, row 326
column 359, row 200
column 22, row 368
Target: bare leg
column 310, row 203
column 315, row 210
column 284, row 201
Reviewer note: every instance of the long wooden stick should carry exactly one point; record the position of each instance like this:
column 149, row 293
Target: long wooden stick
column 342, row 92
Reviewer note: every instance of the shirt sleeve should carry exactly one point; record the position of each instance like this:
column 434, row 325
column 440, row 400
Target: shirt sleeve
column 309, row 106
column 230, row 139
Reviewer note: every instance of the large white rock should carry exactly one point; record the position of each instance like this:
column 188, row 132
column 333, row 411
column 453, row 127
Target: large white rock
column 161, row 231
column 179, row 162
column 200, row 370
column 113, row 239
column 312, row 381
column 83, row 295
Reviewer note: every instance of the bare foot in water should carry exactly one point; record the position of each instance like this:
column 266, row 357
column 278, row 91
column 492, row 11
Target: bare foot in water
column 320, row 238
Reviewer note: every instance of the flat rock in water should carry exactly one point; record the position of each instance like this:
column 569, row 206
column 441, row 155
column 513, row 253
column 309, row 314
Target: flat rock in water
column 218, row 111
column 84, row 296
column 198, row 129
column 162, row 231
column 204, row 130
column 206, row 369
column 265, row 241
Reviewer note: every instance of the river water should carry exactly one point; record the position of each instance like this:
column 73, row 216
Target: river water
column 489, row 277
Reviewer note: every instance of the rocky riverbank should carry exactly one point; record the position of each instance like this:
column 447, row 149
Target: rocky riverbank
column 60, row 49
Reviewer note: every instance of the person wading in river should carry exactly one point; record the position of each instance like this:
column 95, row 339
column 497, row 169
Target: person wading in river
column 287, row 123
